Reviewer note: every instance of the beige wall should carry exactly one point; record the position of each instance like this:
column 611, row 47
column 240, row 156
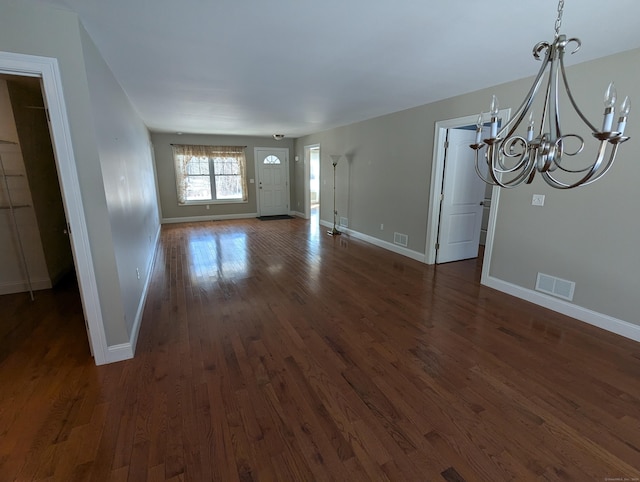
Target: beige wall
column 587, row 235
column 166, row 176
column 126, row 165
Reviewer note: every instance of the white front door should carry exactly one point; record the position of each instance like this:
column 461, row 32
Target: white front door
column 272, row 167
column 463, row 194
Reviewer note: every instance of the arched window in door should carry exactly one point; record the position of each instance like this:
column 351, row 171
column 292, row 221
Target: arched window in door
column 271, row 159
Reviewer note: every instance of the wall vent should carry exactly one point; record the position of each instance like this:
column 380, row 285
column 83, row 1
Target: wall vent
column 555, row 286
column 400, row 239
column 344, row 222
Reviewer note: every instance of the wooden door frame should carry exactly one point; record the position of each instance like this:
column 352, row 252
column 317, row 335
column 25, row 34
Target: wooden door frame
column 284, row 150
column 48, row 71
column 437, row 175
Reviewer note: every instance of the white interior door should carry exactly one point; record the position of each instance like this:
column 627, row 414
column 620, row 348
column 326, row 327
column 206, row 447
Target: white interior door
column 463, row 194
column 272, row 166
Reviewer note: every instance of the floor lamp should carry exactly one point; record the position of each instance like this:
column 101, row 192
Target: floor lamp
column 334, row 161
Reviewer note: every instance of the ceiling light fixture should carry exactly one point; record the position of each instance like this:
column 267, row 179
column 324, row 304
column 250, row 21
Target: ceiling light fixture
column 278, row 137
column 513, row 159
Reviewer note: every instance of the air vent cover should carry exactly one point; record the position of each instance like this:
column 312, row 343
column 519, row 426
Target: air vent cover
column 555, row 286
column 400, row 239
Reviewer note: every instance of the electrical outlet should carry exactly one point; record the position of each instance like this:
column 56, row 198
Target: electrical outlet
column 381, row 227
column 537, row 200
column 138, row 273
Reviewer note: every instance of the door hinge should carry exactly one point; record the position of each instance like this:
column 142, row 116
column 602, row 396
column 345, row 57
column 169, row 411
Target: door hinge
column 446, row 144
column 441, row 196
column 437, row 246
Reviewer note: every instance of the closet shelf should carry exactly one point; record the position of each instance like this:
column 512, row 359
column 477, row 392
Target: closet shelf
column 16, row 206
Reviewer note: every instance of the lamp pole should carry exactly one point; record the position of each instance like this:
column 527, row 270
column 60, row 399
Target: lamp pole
column 334, row 231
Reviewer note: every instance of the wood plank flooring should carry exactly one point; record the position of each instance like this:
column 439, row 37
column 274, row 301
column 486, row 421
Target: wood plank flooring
column 271, row 351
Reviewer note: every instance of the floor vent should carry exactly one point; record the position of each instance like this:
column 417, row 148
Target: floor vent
column 400, row 239
column 555, row 286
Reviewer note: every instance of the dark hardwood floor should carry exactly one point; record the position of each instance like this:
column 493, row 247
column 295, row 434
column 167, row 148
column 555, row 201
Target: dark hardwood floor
column 271, row 351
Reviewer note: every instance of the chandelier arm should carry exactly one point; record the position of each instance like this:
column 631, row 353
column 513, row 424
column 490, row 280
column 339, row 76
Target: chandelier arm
column 605, row 169
column 528, row 100
column 477, row 166
column 525, row 168
column 552, row 101
column 502, row 153
column 571, row 154
column 492, row 172
column 573, row 102
column 494, row 178
column 589, row 177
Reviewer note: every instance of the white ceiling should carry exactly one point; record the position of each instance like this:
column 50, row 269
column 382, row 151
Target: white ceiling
column 258, row 67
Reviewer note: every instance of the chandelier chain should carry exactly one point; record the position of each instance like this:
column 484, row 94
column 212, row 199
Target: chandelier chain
column 559, row 18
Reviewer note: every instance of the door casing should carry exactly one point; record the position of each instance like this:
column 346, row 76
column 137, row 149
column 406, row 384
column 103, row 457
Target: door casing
column 437, row 173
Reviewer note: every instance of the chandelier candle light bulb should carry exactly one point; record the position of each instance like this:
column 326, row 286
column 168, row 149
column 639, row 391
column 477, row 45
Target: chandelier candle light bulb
column 479, row 130
column 624, row 112
column 609, row 106
column 513, row 159
column 530, row 128
column 494, row 116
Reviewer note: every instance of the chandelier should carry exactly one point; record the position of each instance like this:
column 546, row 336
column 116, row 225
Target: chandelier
column 514, row 159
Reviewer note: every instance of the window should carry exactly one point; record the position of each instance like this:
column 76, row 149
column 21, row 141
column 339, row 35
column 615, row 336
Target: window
column 271, row 160
column 210, row 173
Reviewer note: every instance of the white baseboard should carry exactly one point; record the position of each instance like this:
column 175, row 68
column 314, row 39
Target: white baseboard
column 126, row 351
column 606, row 322
column 215, row 217
column 20, row 286
column 379, row 242
column 297, row 214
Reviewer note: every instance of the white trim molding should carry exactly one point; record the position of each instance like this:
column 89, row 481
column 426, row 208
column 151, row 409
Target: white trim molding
column 23, row 285
column 606, row 322
column 215, row 217
column 126, row 351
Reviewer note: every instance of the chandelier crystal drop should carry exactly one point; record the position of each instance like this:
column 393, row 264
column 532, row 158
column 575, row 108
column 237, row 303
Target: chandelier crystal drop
column 513, row 159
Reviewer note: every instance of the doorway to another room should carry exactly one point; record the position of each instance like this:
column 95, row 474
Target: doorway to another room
column 47, row 73
column 38, row 287
column 314, row 183
column 462, row 209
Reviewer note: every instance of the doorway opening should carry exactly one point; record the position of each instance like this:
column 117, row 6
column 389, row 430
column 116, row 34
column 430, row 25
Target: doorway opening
column 443, row 189
column 314, row 183
column 35, row 250
column 47, row 72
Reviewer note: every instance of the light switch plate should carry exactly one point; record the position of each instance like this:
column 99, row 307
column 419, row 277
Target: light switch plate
column 537, row 200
